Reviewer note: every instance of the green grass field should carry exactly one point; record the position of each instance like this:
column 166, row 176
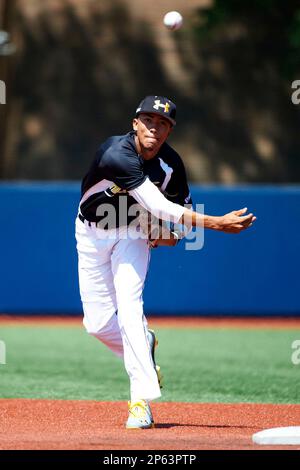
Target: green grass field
column 199, row 365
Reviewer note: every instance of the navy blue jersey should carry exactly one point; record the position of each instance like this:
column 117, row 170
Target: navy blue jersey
column 118, row 168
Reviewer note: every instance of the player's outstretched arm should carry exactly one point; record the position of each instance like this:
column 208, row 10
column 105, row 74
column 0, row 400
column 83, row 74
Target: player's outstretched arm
column 149, row 197
column 233, row 222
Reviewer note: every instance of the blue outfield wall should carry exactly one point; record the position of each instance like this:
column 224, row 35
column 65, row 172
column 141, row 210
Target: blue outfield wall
column 253, row 273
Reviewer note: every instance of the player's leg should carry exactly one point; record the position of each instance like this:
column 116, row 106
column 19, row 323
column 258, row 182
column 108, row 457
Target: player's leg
column 130, row 261
column 97, row 288
column 108, row 332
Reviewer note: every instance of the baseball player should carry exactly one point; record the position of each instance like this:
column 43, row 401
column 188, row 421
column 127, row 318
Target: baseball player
column 133, row 174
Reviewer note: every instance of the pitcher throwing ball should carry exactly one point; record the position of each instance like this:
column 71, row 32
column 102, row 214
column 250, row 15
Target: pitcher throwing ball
column 134, row 174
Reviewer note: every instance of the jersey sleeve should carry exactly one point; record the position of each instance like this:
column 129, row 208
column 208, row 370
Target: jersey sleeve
column 124, row 168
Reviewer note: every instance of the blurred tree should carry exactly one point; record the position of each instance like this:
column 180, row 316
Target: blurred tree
column 7, row 9
column 250, row 53
column 82, row 66
column 275, row 24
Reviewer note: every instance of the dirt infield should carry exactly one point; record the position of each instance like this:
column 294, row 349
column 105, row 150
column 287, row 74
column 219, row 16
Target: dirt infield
column 90, row 425
column 163, row 322
column 59, row 424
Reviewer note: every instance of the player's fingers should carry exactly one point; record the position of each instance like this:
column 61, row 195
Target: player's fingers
column 240, row 211
column 249, row 223
column 245, row 218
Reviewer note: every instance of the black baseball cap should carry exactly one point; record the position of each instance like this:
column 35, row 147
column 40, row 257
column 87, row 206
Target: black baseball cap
column 158, row 105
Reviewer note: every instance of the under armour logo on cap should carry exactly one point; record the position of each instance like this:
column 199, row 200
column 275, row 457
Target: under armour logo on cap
column 158, row 105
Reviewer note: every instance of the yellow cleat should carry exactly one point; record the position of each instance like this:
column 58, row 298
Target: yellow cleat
column 140, row 416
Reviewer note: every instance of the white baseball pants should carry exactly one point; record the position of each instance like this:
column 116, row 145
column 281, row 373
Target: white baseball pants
column 112, row 270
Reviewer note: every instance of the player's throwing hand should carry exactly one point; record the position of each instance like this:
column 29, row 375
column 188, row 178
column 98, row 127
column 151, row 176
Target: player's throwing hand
column 235, row 221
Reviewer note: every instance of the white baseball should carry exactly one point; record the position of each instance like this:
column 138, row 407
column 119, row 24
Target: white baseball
column 173, row 20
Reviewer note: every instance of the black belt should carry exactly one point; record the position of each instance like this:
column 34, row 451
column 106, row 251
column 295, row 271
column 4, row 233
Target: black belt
column 83, row 219
column 80, row 217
